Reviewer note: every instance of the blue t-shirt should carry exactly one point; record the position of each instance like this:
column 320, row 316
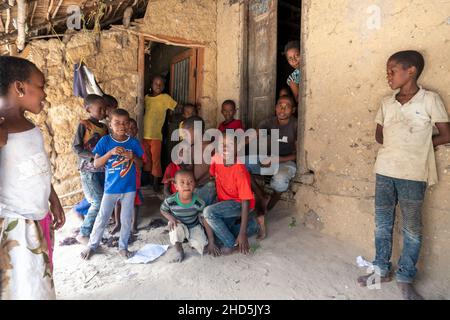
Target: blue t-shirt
column 120, row 173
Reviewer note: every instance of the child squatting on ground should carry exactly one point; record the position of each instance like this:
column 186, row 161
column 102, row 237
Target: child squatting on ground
column 183, row 210
column 118, row 152
column 88, row 134
column 26, row 226
column 405, row 166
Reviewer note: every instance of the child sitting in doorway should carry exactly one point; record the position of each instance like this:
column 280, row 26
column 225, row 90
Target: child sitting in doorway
column 119, row 153
column 156, row 106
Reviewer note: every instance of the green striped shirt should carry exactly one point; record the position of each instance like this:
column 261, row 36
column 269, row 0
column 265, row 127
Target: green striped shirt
column 186, row 213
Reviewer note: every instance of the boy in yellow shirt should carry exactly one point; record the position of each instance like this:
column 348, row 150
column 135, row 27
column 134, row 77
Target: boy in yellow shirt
column 156, row 106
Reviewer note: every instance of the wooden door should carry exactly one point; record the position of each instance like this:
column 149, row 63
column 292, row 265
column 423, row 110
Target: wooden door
column 183, row 77
column 262, row 60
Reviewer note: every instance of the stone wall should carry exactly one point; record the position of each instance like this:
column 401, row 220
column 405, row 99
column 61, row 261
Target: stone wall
column 192, row 20
column 345, row 53
column 113, row 60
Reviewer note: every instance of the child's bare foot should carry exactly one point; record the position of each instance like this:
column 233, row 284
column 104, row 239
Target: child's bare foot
column 87, row 253
column 408, row 291
column 82, row 239
column 179, row 255
column 229, row 251
column 262, row 227
column 363, row 280
column 115, row 229
column 126, row 254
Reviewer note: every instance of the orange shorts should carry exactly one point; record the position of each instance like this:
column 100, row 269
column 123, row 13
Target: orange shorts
column 152, row 149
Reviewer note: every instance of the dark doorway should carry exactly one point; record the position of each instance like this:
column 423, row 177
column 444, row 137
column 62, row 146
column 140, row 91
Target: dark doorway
column 289, row 16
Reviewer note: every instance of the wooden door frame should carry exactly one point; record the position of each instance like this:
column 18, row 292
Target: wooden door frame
column 199, row 70
column 244, row 81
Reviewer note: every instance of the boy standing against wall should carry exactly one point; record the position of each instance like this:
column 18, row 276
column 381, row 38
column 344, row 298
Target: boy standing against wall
column 405, row 165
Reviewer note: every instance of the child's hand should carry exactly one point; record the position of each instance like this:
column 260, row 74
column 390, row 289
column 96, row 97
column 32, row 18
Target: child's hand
column 242, row 243
column 59, row 217
column 128, row 155
column 266, row 163
column 173, row 223
column 3, row 133
column 117, row 151
column 213, row 250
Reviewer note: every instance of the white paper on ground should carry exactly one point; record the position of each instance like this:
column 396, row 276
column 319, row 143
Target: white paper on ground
column 148, row 253
column 362, row 263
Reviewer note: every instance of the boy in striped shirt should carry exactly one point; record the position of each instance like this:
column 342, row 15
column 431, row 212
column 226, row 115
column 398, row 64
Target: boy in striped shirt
column 183, row 209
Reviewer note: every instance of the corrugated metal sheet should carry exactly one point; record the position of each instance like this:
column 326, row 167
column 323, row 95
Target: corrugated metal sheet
column 181, row 81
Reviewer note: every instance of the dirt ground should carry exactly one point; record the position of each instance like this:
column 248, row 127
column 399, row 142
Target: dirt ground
column 293, row 262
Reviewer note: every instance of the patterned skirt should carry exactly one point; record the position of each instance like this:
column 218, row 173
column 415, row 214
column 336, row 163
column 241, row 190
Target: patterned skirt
column 26, row 259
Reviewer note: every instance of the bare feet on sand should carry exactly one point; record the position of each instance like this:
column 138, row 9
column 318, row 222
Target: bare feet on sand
column 261, row 220
column 87, row 253
column 179, row 254
column 82, row 239
column 125, row 254
column 363, row 280
column 229, row 251
column 408, row 291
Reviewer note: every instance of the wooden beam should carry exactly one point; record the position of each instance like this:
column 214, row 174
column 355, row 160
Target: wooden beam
column 141, row 84
column 21, row 18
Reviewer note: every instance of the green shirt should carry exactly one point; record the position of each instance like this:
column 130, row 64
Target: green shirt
column 186, row 213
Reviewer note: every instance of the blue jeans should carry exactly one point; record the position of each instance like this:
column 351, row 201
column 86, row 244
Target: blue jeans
column 106, row 209
column 93, row 191
column 410, row 195
column 222, row 216
column 207, row 193
column 281, row 174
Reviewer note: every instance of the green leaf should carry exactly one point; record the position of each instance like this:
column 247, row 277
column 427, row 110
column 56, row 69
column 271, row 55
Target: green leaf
column 12, row 225
column 293, row 223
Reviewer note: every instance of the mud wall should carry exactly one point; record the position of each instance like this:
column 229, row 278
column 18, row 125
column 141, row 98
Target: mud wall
column 346, row 45
column 112, row 57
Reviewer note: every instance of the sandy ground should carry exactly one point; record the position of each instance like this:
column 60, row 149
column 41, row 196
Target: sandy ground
column 293, row 262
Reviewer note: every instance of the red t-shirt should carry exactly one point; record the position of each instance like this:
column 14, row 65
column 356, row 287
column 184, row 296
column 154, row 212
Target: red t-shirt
column 169, row 174
column 234, row 124
column 232, row 183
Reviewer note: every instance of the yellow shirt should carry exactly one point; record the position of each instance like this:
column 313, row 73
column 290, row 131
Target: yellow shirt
column 407, row 151
column 155, row 114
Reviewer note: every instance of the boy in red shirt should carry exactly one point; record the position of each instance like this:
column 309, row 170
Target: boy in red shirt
column 236, row 201
column 228, row 112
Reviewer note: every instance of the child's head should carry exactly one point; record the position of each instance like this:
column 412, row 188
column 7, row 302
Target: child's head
column 285, row 108
column 184, row 182
column 403, row 67
column 96, row 106
column 120, row 122
column 285, row 91
column 190, row 125
column 292, row 53
column 157, row 85
column 22, row 84
column 228, row 110
column 111, row 104
column 133, row 128
column 189, row 110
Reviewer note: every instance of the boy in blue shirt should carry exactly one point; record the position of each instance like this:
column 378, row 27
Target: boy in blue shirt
column 118, row 152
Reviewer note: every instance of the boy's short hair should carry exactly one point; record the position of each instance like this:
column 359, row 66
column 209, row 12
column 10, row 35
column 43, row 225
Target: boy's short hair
column 133, row 121
column 189, row 105
column 291, row 45
column 289, row 98
column 181, row 172
column 92, row 98
column 408, row 59
column 111, row 101
column 190, row 122
column 120, row 113
column 230, row 102
column 158, row 77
